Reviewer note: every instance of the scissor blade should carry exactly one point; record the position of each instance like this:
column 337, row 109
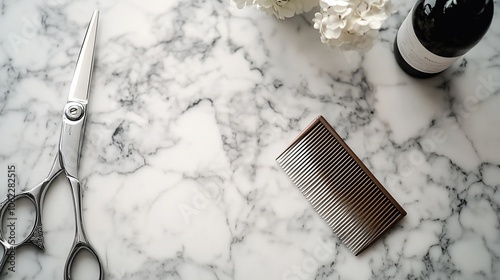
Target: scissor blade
column 80, row 86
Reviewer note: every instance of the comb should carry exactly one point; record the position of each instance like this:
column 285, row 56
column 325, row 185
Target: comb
column 339, row 186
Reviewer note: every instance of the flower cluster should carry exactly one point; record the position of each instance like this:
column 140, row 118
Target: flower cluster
column 351, row 24
column 280, row 8
column 344, row 24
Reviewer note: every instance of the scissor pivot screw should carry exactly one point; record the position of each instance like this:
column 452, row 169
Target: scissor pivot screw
column 74, row 111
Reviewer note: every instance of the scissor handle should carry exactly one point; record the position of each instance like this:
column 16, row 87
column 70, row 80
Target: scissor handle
column 6, row 253
column 80, row 241
column 35, row 237
column 36, row 195
column 75, row 249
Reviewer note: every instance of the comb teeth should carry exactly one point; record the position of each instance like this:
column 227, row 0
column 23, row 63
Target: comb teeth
column 339, row 186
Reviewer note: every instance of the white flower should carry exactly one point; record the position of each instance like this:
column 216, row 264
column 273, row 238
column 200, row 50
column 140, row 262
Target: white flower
column 280, row 8
column 351, row 24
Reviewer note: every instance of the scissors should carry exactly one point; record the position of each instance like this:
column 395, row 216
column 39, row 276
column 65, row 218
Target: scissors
column 66, row 161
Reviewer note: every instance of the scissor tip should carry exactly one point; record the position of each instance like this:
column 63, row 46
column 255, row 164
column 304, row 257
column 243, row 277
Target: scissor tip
column 83, row 71
column 95, row 15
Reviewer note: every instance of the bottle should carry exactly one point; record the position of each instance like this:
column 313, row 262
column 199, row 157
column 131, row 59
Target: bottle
column 438, row 32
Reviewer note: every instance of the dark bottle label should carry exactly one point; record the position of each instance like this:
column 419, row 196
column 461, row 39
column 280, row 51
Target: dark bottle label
column 415, row 54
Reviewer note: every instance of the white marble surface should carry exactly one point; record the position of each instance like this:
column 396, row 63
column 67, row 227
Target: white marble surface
column 191, row 103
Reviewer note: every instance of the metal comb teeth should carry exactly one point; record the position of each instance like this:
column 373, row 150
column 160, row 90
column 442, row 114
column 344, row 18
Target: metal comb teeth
column 339, row 186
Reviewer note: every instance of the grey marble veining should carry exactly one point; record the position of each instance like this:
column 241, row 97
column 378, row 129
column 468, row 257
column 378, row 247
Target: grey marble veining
column 191, row 103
